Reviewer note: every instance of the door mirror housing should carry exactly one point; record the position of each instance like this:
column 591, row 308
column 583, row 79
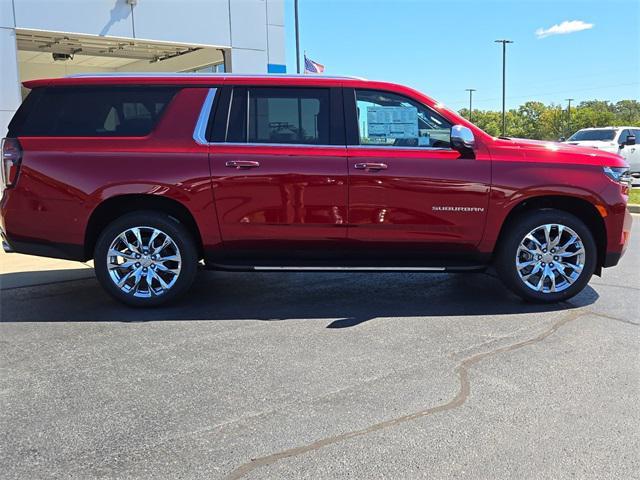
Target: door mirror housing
column 562, row 139
column 462, row 139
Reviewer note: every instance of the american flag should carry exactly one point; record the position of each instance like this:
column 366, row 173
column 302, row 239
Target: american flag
column 312, row 67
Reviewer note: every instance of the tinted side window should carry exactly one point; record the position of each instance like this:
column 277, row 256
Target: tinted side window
column 237, row 123
column 280, row 115
column 28, row 105
column 389, row 120
column 97, row 111
column 623, row 136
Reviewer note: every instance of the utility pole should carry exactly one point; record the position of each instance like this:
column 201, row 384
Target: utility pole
column 504, row 75
column 470, row 90
column 569, row 116
column 295, row 7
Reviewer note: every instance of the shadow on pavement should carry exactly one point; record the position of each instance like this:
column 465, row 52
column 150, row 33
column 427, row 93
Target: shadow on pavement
column 9, row 281
column 348, row 299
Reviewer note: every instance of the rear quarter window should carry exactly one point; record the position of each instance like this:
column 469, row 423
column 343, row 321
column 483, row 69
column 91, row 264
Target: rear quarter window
column 93, row 111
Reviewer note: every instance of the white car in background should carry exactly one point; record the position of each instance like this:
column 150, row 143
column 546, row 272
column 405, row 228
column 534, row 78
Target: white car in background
column 620, row 140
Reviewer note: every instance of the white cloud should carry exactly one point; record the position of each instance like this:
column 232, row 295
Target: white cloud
column 568, row 26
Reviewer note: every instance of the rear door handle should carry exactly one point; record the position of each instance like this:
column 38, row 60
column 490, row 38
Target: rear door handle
column 371, row 166
column 242, row 164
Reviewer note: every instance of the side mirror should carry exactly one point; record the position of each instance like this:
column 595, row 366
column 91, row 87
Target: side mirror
column 462, row 139
column 631, row 140
column 561, row 139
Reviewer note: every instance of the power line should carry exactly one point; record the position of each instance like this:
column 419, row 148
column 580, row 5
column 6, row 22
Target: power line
column 549, row 81
column 493, row 99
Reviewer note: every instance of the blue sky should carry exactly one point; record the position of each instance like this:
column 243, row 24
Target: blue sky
column 443, row 47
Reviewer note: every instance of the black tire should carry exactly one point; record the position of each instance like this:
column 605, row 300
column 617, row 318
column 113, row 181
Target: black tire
column 166, row 224
column 505, row 260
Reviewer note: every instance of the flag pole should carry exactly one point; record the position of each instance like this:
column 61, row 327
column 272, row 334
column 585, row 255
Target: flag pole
column 300, row 101
column 295, row 4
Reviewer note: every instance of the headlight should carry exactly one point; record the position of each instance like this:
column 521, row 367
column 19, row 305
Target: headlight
column 619, row 175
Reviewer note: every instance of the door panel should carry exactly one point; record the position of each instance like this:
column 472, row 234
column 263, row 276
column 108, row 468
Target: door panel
column 280, row 173
column 423, row 198
column 420, row 196
column 292, row 196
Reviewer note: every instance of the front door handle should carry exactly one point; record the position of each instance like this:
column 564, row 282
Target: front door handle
column 242, row 164
column 371, row 166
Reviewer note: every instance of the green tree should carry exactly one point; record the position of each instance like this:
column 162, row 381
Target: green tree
column 627, row 112
column 585, row 117
column 527, row 120
column 488, row 121
column 550, row 122
column 553, row 123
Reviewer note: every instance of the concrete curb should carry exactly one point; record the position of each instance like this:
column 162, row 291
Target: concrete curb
column 634, row 208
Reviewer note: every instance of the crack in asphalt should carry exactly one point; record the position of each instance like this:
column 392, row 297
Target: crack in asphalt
column 611, row 317
column 613, row 285
column 461, row 397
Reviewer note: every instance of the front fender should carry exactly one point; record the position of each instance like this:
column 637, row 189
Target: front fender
column 518, row 182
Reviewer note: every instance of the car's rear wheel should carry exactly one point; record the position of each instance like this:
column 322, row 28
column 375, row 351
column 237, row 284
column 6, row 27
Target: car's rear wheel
column 547, row 256
column 145, row 259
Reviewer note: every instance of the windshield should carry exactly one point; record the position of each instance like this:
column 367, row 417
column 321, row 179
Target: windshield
column 602, row 135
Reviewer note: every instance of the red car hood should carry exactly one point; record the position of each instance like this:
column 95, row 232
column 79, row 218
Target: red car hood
column 555, row 152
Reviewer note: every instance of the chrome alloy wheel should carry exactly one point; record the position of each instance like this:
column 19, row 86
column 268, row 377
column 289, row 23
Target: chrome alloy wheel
column 550, row 258
column 144, row 262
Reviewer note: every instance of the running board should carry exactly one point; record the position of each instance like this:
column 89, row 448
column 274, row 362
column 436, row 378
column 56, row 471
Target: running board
column 318, row 268
column 352, row 269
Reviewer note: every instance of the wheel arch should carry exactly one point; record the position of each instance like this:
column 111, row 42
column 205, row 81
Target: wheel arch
column 116, row 206
column 581, row 208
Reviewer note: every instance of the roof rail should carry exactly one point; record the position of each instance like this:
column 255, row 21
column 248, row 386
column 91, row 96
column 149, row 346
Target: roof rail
column 205, row 75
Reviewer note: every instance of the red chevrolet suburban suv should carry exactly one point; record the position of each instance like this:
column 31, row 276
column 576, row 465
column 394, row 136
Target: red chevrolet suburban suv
column 150, row 175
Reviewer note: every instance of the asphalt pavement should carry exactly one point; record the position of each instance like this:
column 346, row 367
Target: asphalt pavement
column 318, row 376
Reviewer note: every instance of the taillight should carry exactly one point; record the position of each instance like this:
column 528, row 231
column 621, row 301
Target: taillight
column 11, row 158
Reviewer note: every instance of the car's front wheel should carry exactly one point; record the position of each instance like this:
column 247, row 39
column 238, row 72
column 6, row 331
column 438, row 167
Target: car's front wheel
column 547, row 256
column 145, row 258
